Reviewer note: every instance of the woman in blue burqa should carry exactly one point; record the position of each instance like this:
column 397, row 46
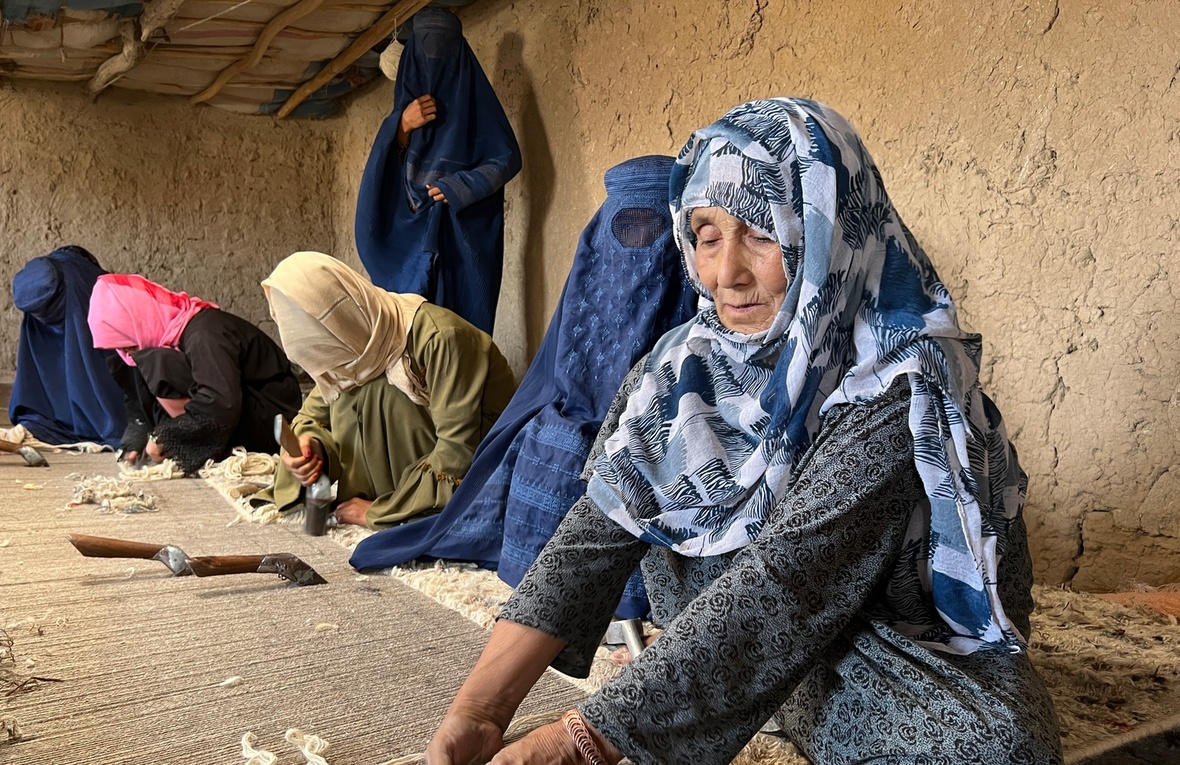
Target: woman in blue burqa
column 626, row 287
column 63, row 392
column 430, row 213
column 826, row 505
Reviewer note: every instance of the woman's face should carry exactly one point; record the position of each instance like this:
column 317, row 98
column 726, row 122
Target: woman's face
column 741, row 267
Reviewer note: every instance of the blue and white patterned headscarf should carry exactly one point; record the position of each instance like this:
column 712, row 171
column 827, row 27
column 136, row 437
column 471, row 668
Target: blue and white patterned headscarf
column 710, row 436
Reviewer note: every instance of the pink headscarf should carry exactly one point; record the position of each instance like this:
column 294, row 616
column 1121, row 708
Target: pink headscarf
column 128, row 311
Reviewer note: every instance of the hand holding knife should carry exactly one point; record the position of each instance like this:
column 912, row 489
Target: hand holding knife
column 317, row 504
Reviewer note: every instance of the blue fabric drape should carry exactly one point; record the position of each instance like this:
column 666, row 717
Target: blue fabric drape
column 626, row 288
column 452, row 254
column 63, row 392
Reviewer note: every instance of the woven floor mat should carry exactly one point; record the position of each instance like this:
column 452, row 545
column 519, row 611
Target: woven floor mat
column 138, row 666
column 368, row 663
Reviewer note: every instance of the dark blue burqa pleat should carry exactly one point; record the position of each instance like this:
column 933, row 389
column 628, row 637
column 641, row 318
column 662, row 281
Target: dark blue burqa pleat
column 452, row 254
column 626, row 288
column 63, row 392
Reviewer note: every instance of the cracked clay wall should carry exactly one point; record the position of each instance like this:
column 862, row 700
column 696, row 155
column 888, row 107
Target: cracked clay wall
column 194, row 198
column 1030, row 145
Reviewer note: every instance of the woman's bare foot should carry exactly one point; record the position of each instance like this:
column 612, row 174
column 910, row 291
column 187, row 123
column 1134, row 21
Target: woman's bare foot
column 622, row 656
column 353, row 511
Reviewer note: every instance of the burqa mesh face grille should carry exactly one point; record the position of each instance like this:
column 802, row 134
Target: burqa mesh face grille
column 637, row 226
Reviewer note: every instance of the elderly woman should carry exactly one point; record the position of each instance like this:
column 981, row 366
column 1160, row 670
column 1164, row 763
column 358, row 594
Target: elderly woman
column 63, row 391
column 404, row 391
column 198, row 381
column 826, row 506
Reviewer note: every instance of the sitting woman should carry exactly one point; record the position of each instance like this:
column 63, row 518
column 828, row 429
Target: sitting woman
column 197, row 380
column 63, row 391
column 825, row 505
column 404, row 391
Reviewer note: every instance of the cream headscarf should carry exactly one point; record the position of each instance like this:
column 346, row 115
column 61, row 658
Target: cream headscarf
column 340, row 328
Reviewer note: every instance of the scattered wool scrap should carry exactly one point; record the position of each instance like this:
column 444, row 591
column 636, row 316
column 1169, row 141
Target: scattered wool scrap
column 10, row 728
column 112, row 495
column 256, row 756
column 129, row 505
column 5, row 543
column 311, row 746
column 91, row 490
column 164, row 471
column 86, row 447
column 31, row 623
column 324, row 627
column 33, row 486
column 241, row 464
column 230, row 682
column 262, row 515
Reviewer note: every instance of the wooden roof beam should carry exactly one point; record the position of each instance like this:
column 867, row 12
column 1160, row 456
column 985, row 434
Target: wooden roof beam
column 360, row 46
column 281, row 21
column 134, row 33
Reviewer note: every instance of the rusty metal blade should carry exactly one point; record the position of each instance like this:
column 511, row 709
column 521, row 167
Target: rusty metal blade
column 291, row 568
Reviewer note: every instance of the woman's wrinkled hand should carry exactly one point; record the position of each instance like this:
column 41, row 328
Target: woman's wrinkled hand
column 464, row 740
column 306, row 466
column 548, row 745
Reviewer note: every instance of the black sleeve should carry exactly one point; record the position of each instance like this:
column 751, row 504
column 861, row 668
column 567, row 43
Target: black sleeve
column 139, row 423
column 214, row 351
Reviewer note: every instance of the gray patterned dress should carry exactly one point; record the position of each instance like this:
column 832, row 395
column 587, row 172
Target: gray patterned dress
column 785, row 627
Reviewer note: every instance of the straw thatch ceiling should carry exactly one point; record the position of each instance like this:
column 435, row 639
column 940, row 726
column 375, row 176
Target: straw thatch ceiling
column 282, row 57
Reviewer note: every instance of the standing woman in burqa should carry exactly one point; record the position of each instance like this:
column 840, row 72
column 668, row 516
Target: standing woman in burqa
column 430, row 213
column 63, row 392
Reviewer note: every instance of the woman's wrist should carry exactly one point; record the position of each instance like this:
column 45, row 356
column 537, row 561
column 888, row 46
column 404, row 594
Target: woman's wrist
column 513, row 660
column 473, row 704
column 592, row 746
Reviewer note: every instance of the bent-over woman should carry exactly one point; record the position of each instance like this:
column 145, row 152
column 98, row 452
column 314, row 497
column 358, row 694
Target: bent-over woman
column 198, row 381
column 404, row 391
column 63, row 391
column 825, row 504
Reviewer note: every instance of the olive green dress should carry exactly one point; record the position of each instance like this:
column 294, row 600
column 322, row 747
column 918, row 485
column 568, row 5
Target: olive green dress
column 407, row 458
